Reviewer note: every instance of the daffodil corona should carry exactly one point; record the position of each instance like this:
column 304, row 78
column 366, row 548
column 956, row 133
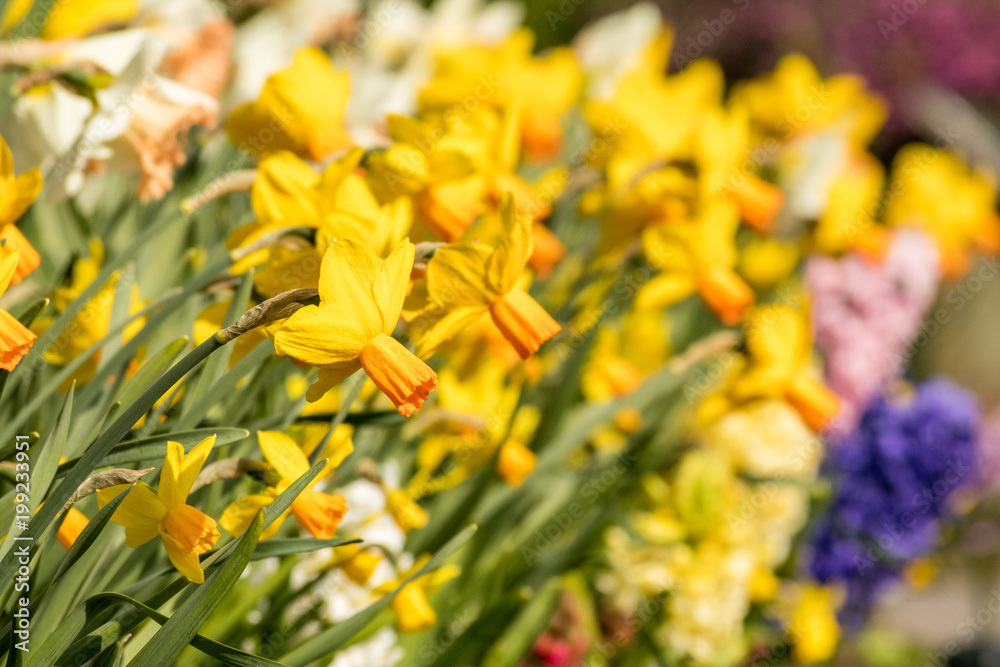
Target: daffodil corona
column 15, row 338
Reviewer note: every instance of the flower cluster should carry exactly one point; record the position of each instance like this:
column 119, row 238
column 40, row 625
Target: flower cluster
column 894, row 476
column 462, row 350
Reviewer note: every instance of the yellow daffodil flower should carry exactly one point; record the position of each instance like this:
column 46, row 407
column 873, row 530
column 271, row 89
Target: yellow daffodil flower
column 794, row 100
column 813, row 624
column 722, row 156
column 765, row 262
column 619, row 360
column 777, row 365
column 849, row 221
column 16, row 195
column 632, row 121
column 300, row 109
column 474, row 416
column 467, row 280
column 646, row 161
column 453, row 165
column 697, row 257
column 404, row 510
column 319, row 513
column 540, row 88
column 435, row 164
column 185, row 531
column 15, row 338
column 515, row 462
column 73, row 18
column 360, row 301
column 955, row 205
column 338, row 203
column 413, row 610
column 92, row 323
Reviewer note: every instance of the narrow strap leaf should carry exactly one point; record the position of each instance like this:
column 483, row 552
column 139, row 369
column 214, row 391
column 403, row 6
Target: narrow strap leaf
column 227, row 654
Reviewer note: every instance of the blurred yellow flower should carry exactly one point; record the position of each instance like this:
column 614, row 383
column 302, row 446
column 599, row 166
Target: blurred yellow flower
column 765, row 262
column 540, row 89
column 849, row 221
column 16, row 194
column 954, row 204
column 91, row 324
column 777, row 365
column 697, row 256
column 413, row 611
column 794, row 100
column 73, row 18
column 15, row 338
column 300, row 109
column 813, row 624
column 515, row 462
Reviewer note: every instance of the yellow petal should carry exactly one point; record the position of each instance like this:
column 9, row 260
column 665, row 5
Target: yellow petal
column 6, row 160
column 443, row 574
column 346, row 277
column 281, row 191
column 142, row 510
column 180, row 471
column 664, row 290
column 271, row 117
column 284, row 454
column 186, row 561
column 430, row 331
column 390, row 286
column 237, row 517
column 300, row 109
column 456, row 273
column 323, row 335
column 7, row 266
column 331, row 376
column 413, row 611
column 507, row 262
column 26, row 186
column 777, row 344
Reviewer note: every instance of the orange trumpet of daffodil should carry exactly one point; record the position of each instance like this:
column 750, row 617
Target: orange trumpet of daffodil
column 319, row 513
column 186, row 532
column 467, row 280
column 72, row 525
column 778, row 347
column 15, row 338
column 697, row 256
column 17, row 192
column 360, row 300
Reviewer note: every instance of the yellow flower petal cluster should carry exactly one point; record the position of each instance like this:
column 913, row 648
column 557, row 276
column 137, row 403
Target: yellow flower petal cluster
column 319, row 513
column 360, row 300
column 186, row 532
column 467, row 280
